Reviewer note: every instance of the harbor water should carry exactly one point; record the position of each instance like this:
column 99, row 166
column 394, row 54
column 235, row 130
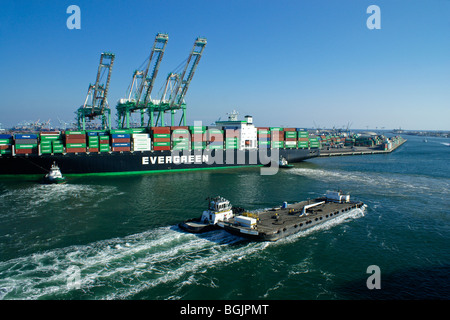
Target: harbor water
column 116, row 237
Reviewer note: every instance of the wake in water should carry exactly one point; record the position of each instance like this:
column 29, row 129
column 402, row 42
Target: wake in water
column 124, row 267
column 377, row 182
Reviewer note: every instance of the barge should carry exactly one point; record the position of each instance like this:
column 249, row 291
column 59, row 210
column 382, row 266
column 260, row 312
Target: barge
column 288, row 219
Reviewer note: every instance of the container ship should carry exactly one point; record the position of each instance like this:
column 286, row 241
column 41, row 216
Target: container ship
column 153, row 146
column 230, row 143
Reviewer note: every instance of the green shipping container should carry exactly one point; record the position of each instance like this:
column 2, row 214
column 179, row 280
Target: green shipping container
column 75, row 132
column 26, row 146
column 290, row 134
column 76, row 145
column 161, row 135
column 51, row 137
column 119, row 131
column 161, row 144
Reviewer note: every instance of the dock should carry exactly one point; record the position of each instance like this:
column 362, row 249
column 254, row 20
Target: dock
column 353, row 151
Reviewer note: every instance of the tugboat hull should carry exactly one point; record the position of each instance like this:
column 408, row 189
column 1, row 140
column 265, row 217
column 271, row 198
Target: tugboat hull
column 195, row 226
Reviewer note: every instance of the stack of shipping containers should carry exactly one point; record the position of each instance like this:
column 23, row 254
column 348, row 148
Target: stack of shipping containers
column 120, row 140
column 6, row 142
column 180, row 138
column 161, row 138
column 75, row 141
column 290, row 138
column 302, row 138
column 141, row 142
column 51, row 142
column 103, row 142
column 197, row 134
column 26, row 143
column 277, row 137
column 93, row 141
column 314, row 143
column 231, row 139
column 214, row 138
column 263, row 137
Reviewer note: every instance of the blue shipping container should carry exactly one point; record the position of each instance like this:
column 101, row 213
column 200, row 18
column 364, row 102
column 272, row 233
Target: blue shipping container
column 5, row 136
column 121, row 144
column 25, row 136
column 120, row 135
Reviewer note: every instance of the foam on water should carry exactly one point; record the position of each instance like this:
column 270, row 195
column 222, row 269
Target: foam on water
column 379, row 182
column 132, row 264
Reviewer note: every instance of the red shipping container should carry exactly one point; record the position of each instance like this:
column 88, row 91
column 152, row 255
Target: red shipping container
column 179, row 127
column 76, row 136
column 303, row 139
column 162, row 148
column 289, row 129
column 26, row 151
column 5, row 146
column 290, row 139
column 104, row 141
column 93, row 149
column 160, row 129
column 49, row 133
column 75, row 150
column 121, row 140
column 161, row 139
column 121, row 149
column 263, row 128
column 75, row 140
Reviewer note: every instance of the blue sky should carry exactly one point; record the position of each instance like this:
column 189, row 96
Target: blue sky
column 288, row 63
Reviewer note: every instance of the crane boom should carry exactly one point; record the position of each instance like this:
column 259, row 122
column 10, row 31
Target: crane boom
column 159, row 46
column 183, row 83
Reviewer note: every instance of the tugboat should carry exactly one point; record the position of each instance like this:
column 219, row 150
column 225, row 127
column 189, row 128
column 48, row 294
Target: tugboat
column 54, row 176
column 219, row 209
column 283, row 163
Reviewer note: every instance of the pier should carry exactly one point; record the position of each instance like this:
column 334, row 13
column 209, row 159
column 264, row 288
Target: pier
column 357, row 150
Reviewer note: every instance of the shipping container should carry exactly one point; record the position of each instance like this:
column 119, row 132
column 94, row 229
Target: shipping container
column 119, row 131
column 25, row 136
column 75, row 133
column 161, row 148
column 115, row 149
column 75, row 150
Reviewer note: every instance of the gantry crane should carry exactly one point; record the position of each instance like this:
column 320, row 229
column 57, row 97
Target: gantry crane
column 175, row 89
column 138, row 95
column 96, row 104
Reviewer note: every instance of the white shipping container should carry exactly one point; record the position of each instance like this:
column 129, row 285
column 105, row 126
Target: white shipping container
column 141, row 135
column 245, row 221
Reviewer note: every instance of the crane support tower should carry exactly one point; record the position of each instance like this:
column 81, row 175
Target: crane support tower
column 138, row 95
column 176, row 88
column 96, row 103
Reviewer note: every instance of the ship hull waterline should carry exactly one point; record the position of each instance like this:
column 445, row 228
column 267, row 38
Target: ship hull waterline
column 147, row 161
